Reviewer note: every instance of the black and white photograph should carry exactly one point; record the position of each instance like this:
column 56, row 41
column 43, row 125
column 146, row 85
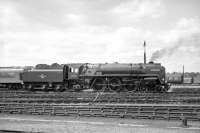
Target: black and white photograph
column 99, row 66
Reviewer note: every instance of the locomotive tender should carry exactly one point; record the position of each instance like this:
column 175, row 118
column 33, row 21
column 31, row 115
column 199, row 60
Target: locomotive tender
column 43, row 79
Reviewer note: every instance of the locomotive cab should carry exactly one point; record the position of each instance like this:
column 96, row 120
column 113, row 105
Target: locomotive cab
column 71, row 77
column 70, row 72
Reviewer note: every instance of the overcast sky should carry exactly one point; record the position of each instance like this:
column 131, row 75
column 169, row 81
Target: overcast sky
column 98, row 31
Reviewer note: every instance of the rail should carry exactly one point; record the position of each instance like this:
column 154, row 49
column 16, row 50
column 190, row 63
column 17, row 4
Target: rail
column 169, row 98
column 135, row 111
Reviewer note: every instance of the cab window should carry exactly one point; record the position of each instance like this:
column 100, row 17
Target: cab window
column 71, row 69
column 76, row 70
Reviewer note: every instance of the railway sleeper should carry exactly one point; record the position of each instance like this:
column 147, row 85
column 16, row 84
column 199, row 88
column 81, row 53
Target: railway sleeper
column 113, row 115
column 59, row 113
column 135, row 116
column 159, row 117
column 193, row 118
column 13, row 111
column 86, row 115
column 72, row 113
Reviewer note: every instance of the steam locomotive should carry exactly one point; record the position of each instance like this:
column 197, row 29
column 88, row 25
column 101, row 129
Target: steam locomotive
column 117, row 77
column 97, row 77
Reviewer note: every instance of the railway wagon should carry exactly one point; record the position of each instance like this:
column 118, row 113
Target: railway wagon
column 10, row 78
column 175, row 78
column 118, row 76
column 43, row 79
column 197, row 79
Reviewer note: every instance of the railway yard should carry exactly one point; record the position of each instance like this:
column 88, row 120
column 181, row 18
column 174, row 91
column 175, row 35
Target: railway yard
column 167, row 107
column 102, row 66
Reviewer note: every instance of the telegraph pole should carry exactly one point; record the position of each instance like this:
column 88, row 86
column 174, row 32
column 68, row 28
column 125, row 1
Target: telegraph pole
column 144, row 52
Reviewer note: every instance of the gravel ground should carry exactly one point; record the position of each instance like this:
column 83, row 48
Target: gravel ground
column 63, row 124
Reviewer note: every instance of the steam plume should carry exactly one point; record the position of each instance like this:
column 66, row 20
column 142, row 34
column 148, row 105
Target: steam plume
column 164, row 52
column 191, row 42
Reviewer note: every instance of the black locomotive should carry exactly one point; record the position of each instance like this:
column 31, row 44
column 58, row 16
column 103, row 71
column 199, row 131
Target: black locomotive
column 116, row 77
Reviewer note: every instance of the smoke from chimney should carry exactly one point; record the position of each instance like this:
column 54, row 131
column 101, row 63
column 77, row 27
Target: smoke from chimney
column 164, row 52
column 191, row 43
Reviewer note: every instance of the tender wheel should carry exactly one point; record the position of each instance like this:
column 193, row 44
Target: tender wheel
column 29, row 87
column 115, row 84
column 56, row 87
column 99, row 84
column 10, row 87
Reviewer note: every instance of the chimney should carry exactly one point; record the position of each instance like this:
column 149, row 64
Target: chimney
column 144, row 52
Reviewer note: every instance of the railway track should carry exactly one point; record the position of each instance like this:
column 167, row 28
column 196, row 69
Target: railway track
column 135, row 111
column 124, row 105
column 83, row 97
column 5, row 90
column 21, row 92
column 100, row 100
